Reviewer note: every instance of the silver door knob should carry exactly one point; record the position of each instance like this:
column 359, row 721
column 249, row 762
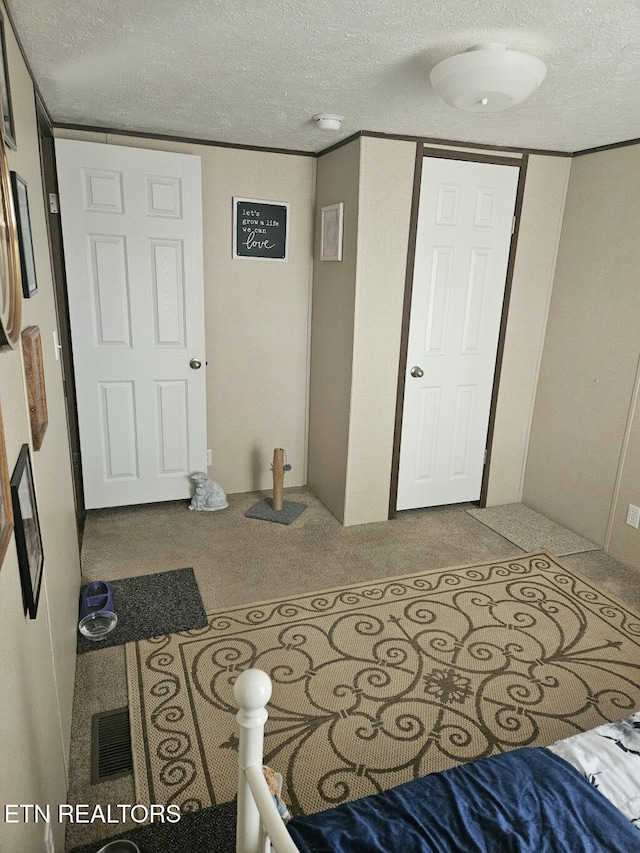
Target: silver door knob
column 417, row 372
column 195, row 364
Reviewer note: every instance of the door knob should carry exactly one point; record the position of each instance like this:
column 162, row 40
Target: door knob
column 195, row 364
column 417, row 372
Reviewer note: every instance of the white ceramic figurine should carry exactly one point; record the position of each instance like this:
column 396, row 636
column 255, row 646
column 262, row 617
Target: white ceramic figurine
column 209, row 495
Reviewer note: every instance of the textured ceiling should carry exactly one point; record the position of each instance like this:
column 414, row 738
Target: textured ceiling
column 254, row 72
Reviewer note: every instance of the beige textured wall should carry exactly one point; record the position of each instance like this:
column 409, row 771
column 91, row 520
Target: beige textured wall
column 37, row 663
column 623, row 541
column 257, row 314
column 386, row 187
column 540, row 225
column 590, row 356
column 334, row 294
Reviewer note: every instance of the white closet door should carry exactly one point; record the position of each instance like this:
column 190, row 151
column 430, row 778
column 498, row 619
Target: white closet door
column 132, row 232
column 464, row 232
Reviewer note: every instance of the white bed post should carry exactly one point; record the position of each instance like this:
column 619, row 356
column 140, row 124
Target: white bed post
column 252, row 691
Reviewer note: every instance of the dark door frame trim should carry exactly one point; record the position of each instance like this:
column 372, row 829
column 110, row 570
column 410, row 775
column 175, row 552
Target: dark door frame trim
column 422, row 152
column 58, row 272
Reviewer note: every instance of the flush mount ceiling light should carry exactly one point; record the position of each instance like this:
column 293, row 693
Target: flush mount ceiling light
column 328, row 121
column 487, row 78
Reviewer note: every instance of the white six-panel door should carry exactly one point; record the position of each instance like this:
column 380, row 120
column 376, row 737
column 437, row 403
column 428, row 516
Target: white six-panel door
column 463, row 240
column 132, row 233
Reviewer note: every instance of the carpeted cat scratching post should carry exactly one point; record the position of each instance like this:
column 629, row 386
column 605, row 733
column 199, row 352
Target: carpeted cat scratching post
column 275, row 508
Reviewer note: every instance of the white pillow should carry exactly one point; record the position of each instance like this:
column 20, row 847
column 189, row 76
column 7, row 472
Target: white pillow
column 609, row 757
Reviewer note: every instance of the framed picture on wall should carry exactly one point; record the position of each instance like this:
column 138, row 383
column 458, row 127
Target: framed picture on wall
column 6, row 507
column 34, row 375
column 11, row 301
column 27, row 531
column 5, row 93
column 25, row 240
column 260, row 229
column 331, row 227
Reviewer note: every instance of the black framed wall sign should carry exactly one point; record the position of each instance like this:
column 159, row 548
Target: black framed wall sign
column 260, row 229
column 25, row 240
column 6, row 504
column 27, row 531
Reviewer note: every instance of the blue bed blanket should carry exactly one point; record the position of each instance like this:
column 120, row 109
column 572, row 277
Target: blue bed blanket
column 525, row 801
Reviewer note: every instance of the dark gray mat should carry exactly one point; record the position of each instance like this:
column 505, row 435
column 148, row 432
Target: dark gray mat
column 265, row 511
column 152, row 605
column 212, row 829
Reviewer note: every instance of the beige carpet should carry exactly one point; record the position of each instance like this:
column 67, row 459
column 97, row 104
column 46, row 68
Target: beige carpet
column 377, row 683
column 529, row 530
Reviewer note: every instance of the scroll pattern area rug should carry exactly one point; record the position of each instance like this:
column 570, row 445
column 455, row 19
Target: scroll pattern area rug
column 379, row 683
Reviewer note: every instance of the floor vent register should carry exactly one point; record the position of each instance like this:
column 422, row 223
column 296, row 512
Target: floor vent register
column 110, row 745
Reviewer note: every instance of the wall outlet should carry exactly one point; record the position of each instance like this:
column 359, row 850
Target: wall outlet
column 633, row 516
column 49, row 846
column 209, row 459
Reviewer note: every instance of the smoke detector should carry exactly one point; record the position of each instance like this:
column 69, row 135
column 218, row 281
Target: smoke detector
column 328, row 121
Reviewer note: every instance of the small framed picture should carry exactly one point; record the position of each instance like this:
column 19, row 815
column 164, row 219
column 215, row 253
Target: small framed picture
column 6, row 507
column 25, row 241
column 34, row 375
column 27, row 531
column 5, row 93
column 331, row 232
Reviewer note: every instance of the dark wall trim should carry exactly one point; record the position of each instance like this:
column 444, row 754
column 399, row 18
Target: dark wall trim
column 340, row 144
column 503, row 328
column 474, row 157
column 404, row 331
column 606, row 147
column 420, row 140
column 183, row 139
column 427, row 140
column 61, row 304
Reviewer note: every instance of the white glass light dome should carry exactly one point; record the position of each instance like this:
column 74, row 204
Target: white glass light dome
column 487, row 78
